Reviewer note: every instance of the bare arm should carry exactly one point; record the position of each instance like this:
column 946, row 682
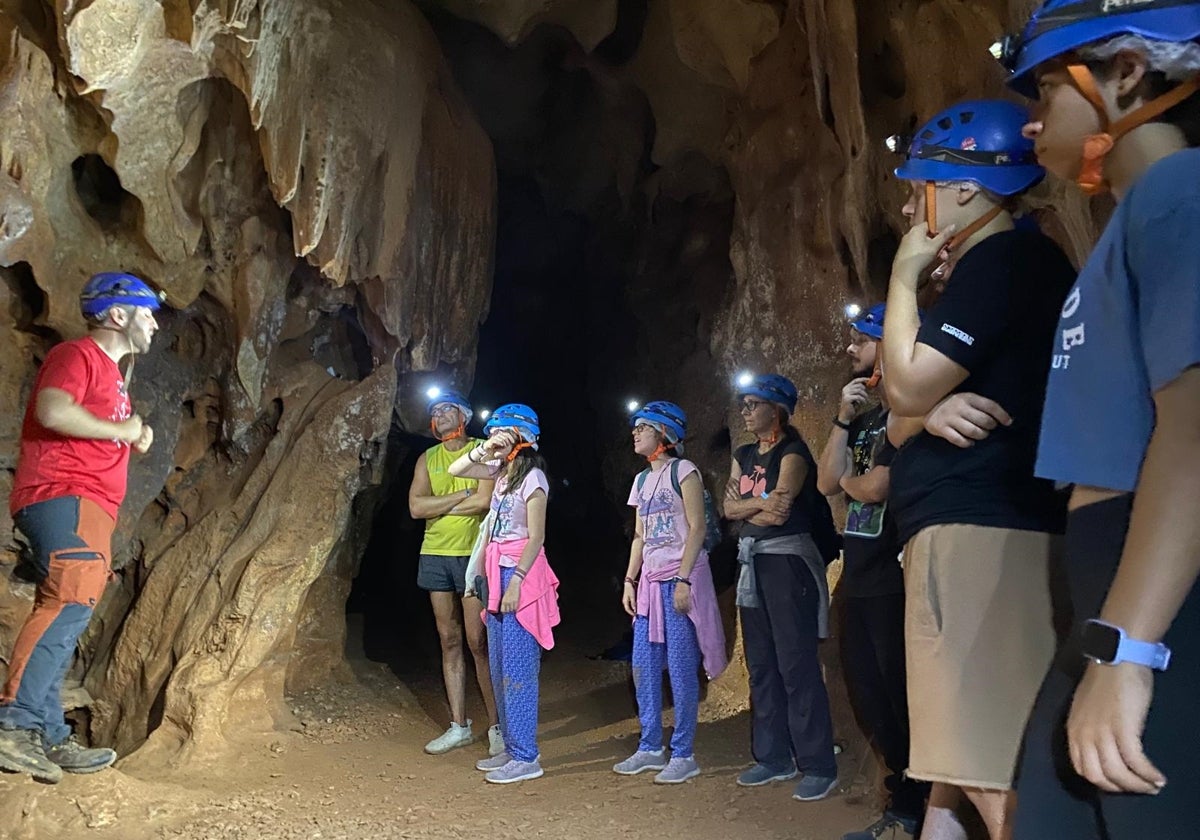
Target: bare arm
column 835, row 464
column 629, row 589
column 917, row 375
column 471, row 464
column 902, row 429
column 57, row 411
column 422, row 504
column 793, row 471
column 693, row 507
column 1158, row 570
column 870, row 487
column 478, row 502
column 735, row 506
column 1161, row 559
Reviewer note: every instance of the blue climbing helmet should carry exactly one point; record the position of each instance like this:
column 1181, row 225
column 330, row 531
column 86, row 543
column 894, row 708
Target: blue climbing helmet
column 515, row 416
column 110, row 288
column 449, row 396
column 773, row 388
column 978, row 141
column 665, row 416
column 871, row 324
column 1059, row 26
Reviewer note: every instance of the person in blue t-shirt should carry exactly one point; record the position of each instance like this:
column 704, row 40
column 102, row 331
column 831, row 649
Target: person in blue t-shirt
column 1118, row 108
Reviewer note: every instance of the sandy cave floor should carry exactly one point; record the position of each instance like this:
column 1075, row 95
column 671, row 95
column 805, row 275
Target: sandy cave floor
column 355, row 770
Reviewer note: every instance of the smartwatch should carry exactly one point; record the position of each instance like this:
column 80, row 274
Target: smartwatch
column 1107, row 644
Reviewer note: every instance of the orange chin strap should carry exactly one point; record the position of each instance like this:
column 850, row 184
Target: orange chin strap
column 958, row 238
column 512, row 456
column 461, row 431
column 658, row 450
column 875, row 374
column 1097, row 146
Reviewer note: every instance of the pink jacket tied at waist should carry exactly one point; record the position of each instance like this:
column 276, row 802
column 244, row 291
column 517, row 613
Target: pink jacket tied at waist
column 705, row 615
column 537, row 606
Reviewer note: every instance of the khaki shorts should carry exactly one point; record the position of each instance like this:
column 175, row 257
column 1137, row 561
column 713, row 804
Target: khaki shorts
column 979, row 635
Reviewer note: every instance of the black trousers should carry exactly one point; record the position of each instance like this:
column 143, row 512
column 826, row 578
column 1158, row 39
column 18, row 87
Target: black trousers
column 1053, row 802
column 872, row 637
column 788, row 701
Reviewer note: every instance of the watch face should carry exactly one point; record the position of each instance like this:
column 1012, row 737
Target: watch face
column 1100, row 642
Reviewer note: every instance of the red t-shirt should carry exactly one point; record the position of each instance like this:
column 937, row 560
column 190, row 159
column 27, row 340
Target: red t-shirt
column 51, row 465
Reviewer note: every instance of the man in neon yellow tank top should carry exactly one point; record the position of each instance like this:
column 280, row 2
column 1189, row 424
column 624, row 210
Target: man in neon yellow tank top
column 453, row 509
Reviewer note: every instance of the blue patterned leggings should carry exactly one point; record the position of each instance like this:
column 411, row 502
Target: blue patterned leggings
column 516, row 659
column 681, row 656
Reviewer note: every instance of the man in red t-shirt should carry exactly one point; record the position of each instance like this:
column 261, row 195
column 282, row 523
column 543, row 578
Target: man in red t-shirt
column 71, row 473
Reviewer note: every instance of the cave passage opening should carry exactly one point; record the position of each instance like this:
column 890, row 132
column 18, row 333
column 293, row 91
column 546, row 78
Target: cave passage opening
column 605, row 288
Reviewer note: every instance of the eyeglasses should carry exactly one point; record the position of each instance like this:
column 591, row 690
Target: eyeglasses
column 642, row 428
column 443, row 410
column 750, row 406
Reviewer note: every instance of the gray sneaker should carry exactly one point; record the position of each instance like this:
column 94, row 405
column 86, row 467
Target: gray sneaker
column 458, row 735
column 514, row 771
column 21, row 751
column 74, row 757
column 761, row 774
column 678, row 771
column 495, row 762
column 640, row 761
column 495, row 741
column 811, row 788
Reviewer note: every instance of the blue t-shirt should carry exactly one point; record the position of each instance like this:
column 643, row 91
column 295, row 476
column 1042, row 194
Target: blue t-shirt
column 1129, row 326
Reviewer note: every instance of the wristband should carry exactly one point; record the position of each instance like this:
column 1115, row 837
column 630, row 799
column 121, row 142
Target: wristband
column 837, row 421
column 631, row 581
column 520, row 573
column 678, row 579
column 469, row 454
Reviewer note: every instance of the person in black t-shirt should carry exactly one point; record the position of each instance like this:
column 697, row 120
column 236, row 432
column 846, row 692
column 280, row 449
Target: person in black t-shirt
column 871, row 606
column 979, row 530
column 782, row 594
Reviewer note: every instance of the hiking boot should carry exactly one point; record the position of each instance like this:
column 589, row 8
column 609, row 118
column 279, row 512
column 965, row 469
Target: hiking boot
column 74, row 757
column 514, row 771
column 886, row 823
column 495, row 741
column 761, row 774
column 640, row 761
column 495, row 762
column 21, row 751
column 678, row 771
column 811, row 787
column 458, row 735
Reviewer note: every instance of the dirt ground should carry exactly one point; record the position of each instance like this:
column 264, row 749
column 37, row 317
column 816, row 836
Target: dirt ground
column 355, row 770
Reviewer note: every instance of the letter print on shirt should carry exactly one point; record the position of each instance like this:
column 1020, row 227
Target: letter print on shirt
column 1072, row 335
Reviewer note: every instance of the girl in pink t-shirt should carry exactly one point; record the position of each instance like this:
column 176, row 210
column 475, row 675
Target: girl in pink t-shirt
column 522, row 596
column 673, row 604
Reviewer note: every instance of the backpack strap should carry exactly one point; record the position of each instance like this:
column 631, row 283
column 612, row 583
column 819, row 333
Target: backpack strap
column 641, row 479
column 675, row 477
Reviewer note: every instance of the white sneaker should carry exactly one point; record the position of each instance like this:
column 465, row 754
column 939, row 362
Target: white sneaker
column 495, row 741
column 458, row 735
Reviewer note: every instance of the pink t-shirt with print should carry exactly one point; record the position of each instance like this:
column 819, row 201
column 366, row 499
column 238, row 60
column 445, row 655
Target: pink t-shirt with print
column 664, row 520
column 511, row 510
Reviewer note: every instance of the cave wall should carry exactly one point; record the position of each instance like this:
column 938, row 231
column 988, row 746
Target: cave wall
column 323, row 229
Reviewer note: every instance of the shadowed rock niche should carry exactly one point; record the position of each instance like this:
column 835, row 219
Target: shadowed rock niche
column 664, row 191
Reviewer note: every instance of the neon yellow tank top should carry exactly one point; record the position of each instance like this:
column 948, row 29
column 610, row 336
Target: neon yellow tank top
column 449, row 535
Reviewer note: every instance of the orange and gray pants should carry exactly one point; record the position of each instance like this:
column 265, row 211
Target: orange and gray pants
column 71, row 538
